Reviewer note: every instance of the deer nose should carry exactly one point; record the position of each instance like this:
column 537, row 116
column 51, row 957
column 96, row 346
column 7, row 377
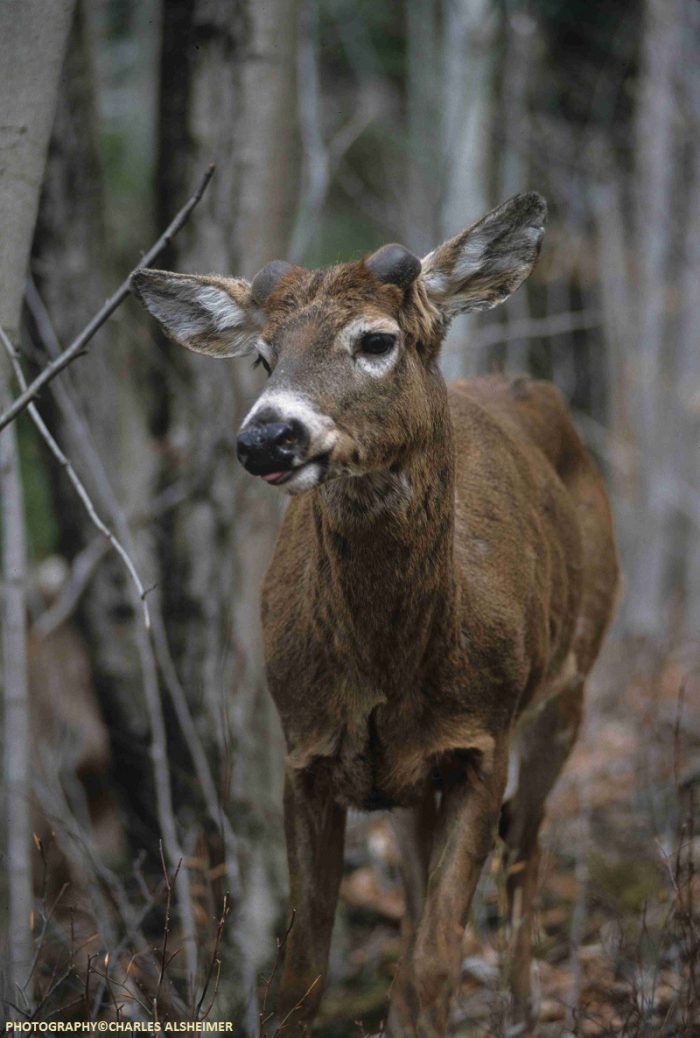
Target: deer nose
column 264, row 447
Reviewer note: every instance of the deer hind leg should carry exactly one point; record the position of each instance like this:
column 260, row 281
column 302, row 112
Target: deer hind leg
column 414, row 829
column 543, row 749
column 315, row 832
column 464, row 830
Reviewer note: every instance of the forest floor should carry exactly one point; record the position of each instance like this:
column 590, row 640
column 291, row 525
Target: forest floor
column 617, row 945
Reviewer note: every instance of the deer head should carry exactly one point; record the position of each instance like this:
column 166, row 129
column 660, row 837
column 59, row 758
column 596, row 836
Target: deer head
column 351, row 352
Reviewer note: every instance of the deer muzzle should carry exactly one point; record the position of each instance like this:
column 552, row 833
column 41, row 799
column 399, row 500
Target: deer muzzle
column 270, row 448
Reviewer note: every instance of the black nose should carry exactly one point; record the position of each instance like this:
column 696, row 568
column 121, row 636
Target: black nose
column 271, row 446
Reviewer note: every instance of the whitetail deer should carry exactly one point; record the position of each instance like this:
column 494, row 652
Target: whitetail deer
column 439, row 591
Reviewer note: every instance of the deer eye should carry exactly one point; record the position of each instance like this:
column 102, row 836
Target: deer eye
column 377, row 343
column 261, row 362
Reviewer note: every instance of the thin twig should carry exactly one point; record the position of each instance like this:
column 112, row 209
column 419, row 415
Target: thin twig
column 75, row 479
column 84, row 565
column 44, row 929
column 215, row 963
column 82, row 569
column 280, row 944
column 107, row 981
column 106, row 311
column 196, row 750
column 166, row 925
column 128, row 993
column 299, row 1005
column 86, row 992
column 150, row 899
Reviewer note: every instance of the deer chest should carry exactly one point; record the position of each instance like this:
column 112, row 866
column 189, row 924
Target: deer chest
column 376, row 753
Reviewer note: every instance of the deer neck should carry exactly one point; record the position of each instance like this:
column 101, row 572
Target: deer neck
column 384, row 554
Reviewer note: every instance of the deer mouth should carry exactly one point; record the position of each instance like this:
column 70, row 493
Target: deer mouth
column 302, row 477
column 276, row 478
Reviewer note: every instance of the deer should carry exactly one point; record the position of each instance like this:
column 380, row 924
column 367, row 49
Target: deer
column 443, row 577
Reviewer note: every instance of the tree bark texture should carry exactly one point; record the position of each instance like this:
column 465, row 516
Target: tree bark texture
column 228, row 96
column 109, row 391
column 654, row 238
column 32, row 43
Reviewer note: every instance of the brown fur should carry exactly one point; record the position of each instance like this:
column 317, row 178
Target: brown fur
column 405, row 637
column 437, row 599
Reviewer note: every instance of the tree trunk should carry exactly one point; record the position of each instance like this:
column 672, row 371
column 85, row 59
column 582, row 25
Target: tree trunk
column 520, row 30
column 466, row 112
column 108, row 392
column 16, row 755
column 688, row 380
column 32, row 42
column 422, row 215
column 654, row 229
column 228, row 96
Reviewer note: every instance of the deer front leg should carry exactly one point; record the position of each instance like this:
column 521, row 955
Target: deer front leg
column 414, row 833
column 315, row 832
column 464, row 834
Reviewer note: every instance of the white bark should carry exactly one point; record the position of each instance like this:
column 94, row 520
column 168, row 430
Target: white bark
column 654, row 226
column 467, row 40
column 17, row 781
column 520, row 36
column 32, row 41
column 424, row 136
column 688, row 386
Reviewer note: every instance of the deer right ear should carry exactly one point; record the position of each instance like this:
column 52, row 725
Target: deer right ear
column 211, row 315
column 483, row 265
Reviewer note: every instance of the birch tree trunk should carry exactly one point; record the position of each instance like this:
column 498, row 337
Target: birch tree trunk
column 424, row 179
column 448, row 90
column 520, row 34
column 466, row 113
column 688, row 379
column 32, row 42
column 17, row 780
column 654, row 231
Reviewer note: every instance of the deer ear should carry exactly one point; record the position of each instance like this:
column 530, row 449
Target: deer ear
column 211, row 315
column 483, row 265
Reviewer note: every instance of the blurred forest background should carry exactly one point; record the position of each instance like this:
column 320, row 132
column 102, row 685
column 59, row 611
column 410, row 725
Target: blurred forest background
column 336, row 126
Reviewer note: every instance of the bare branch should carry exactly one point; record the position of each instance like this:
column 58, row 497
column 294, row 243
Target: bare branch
column 280, row 944
column 196, row 750
column 535, row 328
column 78, row 344
column 75, row 479
column 214, row 965
column 299, row 1005
column 85, row 563
column 82, row 569
column 166, row 925
column 169, row 498
column 145, row 644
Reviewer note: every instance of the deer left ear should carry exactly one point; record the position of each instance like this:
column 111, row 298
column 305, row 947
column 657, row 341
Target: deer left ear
column 211, row 315
column 482, row 266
